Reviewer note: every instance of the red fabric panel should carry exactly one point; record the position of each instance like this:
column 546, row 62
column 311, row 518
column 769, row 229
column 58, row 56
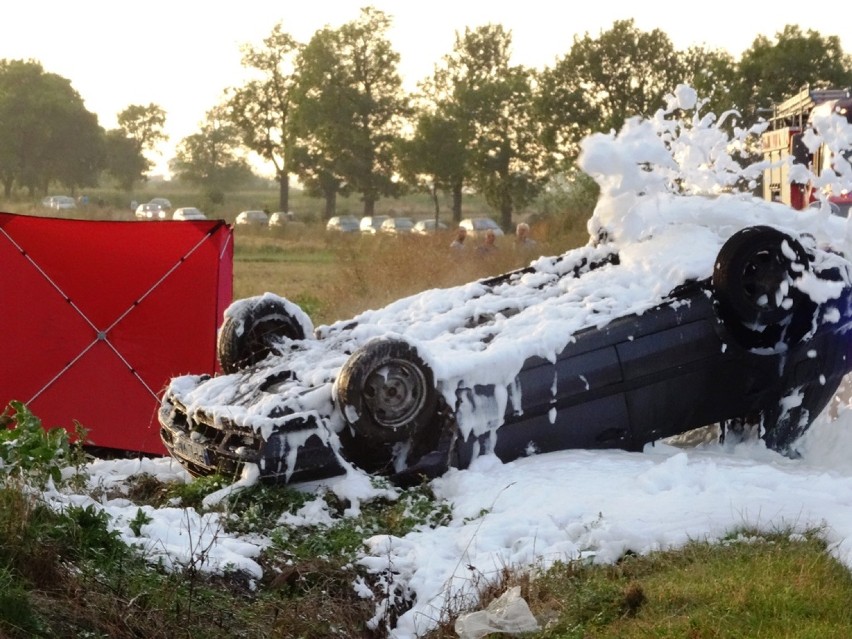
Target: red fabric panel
column 98, row 316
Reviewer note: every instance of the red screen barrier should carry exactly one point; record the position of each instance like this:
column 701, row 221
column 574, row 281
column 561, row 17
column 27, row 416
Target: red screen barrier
column 97, row 316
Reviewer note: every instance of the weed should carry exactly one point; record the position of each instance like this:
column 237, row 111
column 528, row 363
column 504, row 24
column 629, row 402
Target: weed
column 84, row 533
column 141, row 519
column 311, row 304
column 259, row 507
column 16, row 613
column 29, row 450
column 192, row 494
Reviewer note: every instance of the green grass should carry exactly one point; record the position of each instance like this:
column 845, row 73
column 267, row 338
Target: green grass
column 751, row 586
column 762, row 586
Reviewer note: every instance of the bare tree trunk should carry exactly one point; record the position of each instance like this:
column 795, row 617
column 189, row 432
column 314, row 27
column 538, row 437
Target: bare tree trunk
column 434, row 193
column 506, row 206
column 330, row 204
column 284, row 191
column 457, row 202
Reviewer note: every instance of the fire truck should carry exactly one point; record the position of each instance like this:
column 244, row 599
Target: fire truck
column 785, row 139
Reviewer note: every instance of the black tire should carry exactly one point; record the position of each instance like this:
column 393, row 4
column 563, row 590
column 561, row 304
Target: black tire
column 386, row 392
column 250, row 330
column 750, row 268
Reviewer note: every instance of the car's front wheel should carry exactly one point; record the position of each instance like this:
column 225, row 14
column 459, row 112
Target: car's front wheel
column 252, row 326
column 386, row 392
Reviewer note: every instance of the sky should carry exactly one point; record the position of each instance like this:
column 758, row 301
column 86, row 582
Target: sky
column 560, row 506
column 183, row 55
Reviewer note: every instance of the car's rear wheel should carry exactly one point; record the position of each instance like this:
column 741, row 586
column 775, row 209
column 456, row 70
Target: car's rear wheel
column 386, row 392
column 253, row 326
column 753, row 273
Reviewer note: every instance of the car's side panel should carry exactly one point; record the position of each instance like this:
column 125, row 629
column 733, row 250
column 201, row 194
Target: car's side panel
column 595, row 423
column 638, row 379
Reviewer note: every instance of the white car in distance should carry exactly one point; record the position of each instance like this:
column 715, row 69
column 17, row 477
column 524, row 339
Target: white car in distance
column 253, row 218
column 188, row 213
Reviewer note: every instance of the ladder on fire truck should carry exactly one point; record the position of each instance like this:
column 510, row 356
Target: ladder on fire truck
column 794, row 111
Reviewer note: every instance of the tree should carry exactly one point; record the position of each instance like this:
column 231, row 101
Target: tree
column 601, row 81
column 434, row 159
column 713, row 75
column 261, row 108
column 210, row 158
column 511, row 163
column 770, row 71
column 445, row 129
column 144, row 125
column 46, row 133
column 487, row 108
column 124, row 160
column 320, row 122
column 350, row 109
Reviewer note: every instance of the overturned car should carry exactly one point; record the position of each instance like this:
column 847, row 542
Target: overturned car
column 714, row 314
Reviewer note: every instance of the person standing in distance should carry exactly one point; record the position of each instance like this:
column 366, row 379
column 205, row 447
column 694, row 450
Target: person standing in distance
column 523, row 241
column 461, row 236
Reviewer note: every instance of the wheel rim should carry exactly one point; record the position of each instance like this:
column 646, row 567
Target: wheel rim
column 762, row 275
column 395, row 393
column 260, row 336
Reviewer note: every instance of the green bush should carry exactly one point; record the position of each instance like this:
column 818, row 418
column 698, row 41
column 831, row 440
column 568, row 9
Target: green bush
column 28, row 449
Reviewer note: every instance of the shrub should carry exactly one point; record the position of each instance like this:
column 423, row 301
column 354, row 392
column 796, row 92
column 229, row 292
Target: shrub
column 28, row 449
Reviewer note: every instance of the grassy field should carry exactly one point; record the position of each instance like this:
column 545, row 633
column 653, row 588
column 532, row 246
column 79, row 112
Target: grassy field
column 334, row 276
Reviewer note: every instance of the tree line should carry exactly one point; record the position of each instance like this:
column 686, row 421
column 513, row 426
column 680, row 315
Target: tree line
column 332, row 112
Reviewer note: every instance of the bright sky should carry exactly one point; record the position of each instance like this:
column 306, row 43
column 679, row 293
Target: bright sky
column 182, row 55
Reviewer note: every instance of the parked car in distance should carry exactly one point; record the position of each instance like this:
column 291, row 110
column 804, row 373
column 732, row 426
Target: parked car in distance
column 253, row 218
column 188, row 213
column 59, row 202
column 342, row 224
column 425, row 227
column 477, row 226
column 281, row 218
column 397, row 226
column 149, row 211
column 370, row 224
column 162, row 202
